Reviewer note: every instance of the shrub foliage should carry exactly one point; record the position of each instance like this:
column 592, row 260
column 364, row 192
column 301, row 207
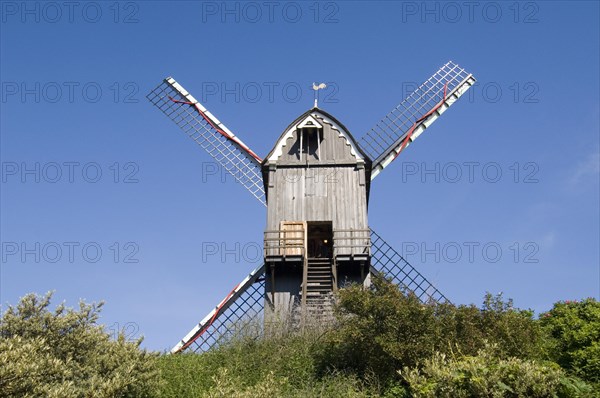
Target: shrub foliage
column 574, row 330
column 384, row 342
column 66, row 354
column 488, row 375
column 384, row 329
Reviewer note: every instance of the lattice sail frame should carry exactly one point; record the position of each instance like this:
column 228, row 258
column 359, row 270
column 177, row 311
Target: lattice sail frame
column 387, row 261
column 390, row 135
column 228, row 150
column 235, row 314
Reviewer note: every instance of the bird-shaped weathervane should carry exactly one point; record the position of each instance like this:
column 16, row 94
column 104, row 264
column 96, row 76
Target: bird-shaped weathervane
column 316, row 87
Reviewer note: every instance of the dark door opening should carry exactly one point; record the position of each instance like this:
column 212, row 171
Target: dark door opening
column 320, row 239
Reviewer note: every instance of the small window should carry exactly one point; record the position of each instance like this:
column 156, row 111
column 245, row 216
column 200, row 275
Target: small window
column 310, row 135
column 311, row 143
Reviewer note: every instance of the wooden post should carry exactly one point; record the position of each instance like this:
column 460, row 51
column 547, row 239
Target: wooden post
column 334, row 274
column 362, row 273
column 304, row 282
column 273, row 284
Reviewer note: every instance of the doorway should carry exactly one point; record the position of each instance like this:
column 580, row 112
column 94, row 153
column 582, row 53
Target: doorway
column 320, row 239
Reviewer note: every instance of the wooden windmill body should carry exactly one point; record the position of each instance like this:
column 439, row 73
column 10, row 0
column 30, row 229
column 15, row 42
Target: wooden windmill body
column 315, row 184
column 317, row 237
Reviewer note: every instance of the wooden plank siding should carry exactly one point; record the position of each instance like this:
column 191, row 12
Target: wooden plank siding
column 308, row 188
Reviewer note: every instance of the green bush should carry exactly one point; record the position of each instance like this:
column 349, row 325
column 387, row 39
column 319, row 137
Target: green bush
column 270, row 367
column 574, row 328
column 488, row 375
column 469, row 328
column 380, row 331
column 66, row 354
column 442, row 350
column 385, row 328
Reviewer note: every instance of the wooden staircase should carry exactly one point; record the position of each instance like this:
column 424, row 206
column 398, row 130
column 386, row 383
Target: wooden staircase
column 317, row 289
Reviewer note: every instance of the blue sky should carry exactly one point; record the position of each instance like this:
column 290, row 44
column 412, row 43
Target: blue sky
column 135, row 235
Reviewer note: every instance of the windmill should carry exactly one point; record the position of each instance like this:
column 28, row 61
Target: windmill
column 315, row 183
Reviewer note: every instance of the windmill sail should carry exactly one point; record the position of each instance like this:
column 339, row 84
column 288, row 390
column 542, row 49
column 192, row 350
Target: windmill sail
column 200, row 125
column 392, row 134
column 387, row 261
column 239, row 309
column 242, row 311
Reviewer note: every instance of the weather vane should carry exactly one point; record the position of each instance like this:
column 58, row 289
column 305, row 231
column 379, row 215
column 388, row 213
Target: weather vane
column 318, row 87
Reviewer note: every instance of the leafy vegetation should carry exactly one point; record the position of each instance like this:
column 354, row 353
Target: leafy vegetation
column 384, row 329
column 488, row 375
column 385, row 343
column 283, row 366
column 574, row 330
column 66, row 354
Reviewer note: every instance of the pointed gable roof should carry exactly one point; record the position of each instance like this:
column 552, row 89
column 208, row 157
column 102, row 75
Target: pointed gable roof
column 315, row 114
column 304, row 120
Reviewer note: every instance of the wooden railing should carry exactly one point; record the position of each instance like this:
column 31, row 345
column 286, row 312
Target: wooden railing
column 346, row 242
column 285, row 243
column 351, row 242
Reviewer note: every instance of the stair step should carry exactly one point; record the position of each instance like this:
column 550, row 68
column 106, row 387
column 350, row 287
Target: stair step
column 317, row 305
column 318, row 288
